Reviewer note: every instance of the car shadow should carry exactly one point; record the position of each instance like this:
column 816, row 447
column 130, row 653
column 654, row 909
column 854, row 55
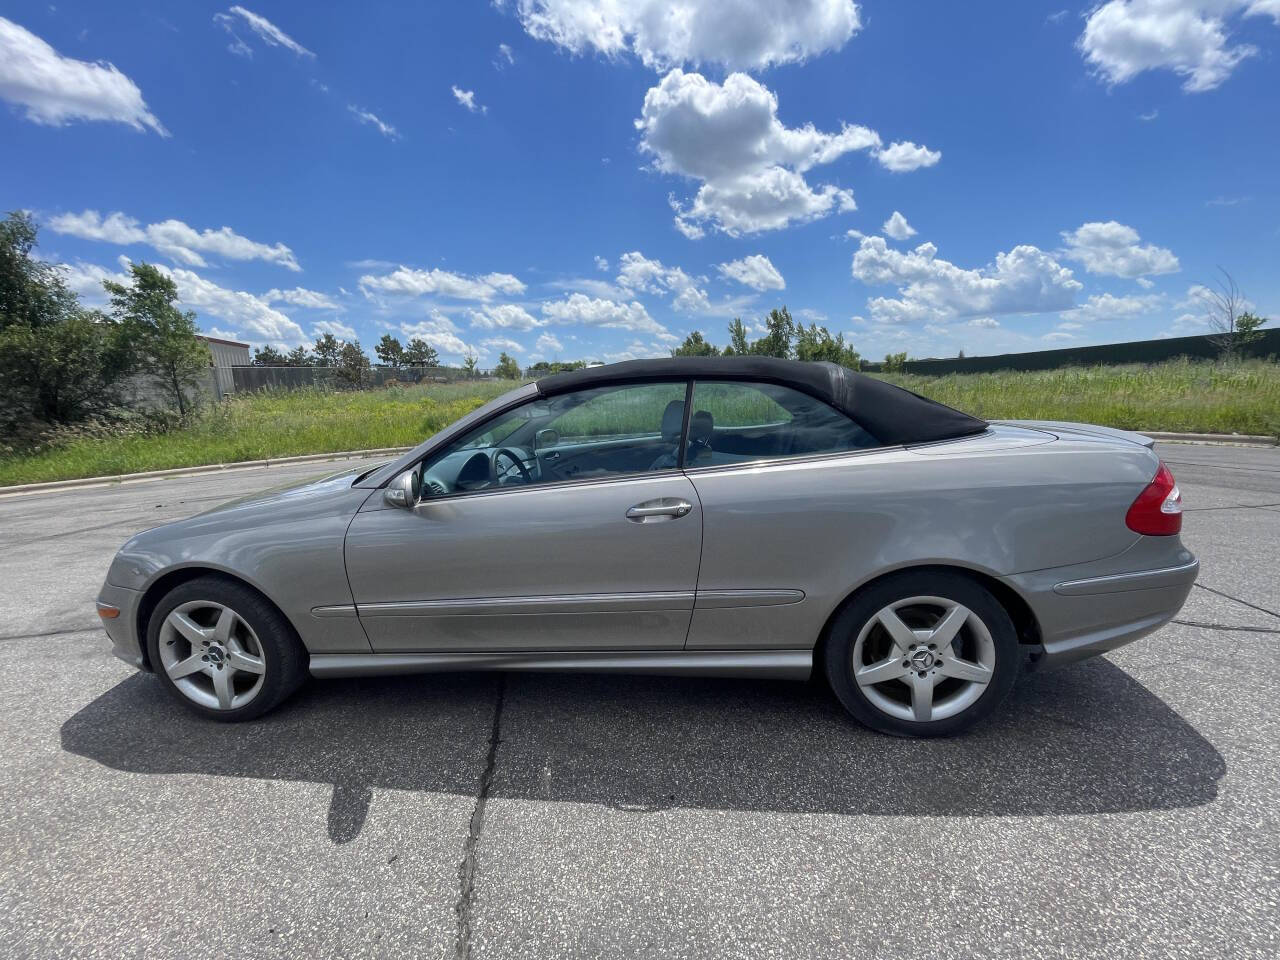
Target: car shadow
column 1088, row 739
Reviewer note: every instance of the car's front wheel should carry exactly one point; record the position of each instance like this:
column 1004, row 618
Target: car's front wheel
column 223, row 650
column 922, row 654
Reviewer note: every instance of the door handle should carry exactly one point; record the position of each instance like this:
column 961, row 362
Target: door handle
column 664, row 508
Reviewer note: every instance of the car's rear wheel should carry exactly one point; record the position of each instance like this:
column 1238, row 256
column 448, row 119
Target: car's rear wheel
column 224, row 651
column 922, row 654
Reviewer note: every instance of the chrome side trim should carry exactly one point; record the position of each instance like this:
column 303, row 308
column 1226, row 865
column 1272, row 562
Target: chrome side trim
column 506, row 606
column 342, row 611
column 719, row 599
column 777, row 664
column 1138, row 580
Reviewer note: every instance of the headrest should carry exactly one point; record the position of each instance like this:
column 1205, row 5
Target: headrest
column 701, row 427
column 673, row 420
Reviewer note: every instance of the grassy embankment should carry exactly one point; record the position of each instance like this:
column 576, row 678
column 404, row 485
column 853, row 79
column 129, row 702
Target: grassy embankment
column 1195, row 397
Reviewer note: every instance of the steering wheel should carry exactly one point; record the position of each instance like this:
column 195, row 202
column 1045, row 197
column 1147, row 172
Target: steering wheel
column 495, row 477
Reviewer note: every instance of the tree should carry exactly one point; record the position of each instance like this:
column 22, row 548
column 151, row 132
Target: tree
column 299, row 356
column 269, row 356
column 507, row 368
column 961, row 357
column 168, row 349
column 695, row 346
column 419, row 353
column 59, row 363
column 469, row 362
column 389, row 351
column 352, row 366
column 327, row 350
column 776, row 342
column 737, row 339
column 894, row 362
column 816, row 343
column 1229, row 316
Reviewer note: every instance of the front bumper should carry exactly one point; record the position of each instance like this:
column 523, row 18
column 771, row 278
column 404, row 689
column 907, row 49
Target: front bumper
column 1084, row 616
column 123, row 630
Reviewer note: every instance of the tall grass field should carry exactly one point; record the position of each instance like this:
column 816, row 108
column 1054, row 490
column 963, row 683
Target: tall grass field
column 1176, row 396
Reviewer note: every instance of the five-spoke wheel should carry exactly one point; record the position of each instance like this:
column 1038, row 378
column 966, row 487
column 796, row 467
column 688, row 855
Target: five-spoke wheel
column 212, row 655
column 223, row 649
column 922, row 654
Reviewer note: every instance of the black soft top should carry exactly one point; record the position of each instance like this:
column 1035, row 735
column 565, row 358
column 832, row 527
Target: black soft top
column 891, row 414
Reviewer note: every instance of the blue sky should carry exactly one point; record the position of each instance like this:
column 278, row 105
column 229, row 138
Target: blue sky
column 588, row 179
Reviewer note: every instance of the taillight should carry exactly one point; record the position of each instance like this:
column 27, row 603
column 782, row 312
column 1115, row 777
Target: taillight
column 1158, row 510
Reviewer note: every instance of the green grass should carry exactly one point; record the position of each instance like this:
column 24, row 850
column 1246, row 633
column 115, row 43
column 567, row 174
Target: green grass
column 1178, row 396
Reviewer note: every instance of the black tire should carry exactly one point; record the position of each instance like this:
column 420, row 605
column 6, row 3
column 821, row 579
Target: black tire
column 284, row 657
column 865, row 606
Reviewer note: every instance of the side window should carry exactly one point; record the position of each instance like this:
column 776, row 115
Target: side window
column 601, row 432
column 735, row 422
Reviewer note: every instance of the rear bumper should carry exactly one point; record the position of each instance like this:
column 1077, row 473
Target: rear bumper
column 123, row 630
column 1083, row 616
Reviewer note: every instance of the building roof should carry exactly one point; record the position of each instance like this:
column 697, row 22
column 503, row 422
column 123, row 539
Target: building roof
column 229, row 343
column 891, row 414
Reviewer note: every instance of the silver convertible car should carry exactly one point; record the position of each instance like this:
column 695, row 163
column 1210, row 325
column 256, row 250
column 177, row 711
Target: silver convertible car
column 743, row 517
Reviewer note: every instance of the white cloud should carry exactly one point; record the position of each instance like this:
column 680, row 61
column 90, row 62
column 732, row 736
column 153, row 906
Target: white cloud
column 55, row 89
column 636, row 350
column 405, row 281
column 267, row 31
column 897, row 228
column 579, row 308
column 1122, row 38
column 502, row 344
column 755, row 271
column 638, row 274
column 1024, row 280
column 1106, row 306
column 504, row 58
column 340, row 330
column 1113, row 249
column 1058, row 335
column 368, row 116
column 86, row 279
column 905, row 156
column 467, row 99
column 173, row 238
column 602, row 264
column 547, row 343
column 738, row 34
column 987, row 322
column 852, row 234
column 302, row 297
column 507, row 316
column 751, row 165
column 245, row 311
column 440, row 332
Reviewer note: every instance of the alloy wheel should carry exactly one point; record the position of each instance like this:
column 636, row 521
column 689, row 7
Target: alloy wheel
column 212, row 655
column 923, row 658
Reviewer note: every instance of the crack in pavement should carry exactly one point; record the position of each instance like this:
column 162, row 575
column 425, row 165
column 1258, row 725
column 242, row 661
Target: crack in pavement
column 1224, row 626
column 1238, row 506
column 467, row 868
column 51, row 633
column 1227, row 596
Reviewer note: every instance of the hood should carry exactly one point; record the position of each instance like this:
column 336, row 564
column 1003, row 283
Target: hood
column 293, row 490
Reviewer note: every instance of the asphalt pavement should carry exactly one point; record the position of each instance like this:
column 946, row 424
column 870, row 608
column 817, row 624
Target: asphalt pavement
column 1126, row 806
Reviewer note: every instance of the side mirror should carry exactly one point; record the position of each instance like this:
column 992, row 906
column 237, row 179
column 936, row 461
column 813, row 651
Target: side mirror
column 403, row 491
column 546, row 438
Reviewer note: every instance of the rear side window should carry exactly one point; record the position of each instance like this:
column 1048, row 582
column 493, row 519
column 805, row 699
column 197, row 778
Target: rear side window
column 737, row 422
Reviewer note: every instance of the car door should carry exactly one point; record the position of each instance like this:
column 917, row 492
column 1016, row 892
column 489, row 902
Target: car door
column 770, row 465
column 601, row 556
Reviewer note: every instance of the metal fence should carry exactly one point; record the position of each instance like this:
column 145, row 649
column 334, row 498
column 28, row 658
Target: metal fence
column 1136, row 351
column 231, row 380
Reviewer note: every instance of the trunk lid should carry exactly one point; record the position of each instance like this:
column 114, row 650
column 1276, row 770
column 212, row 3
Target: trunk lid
column 1067, row 430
